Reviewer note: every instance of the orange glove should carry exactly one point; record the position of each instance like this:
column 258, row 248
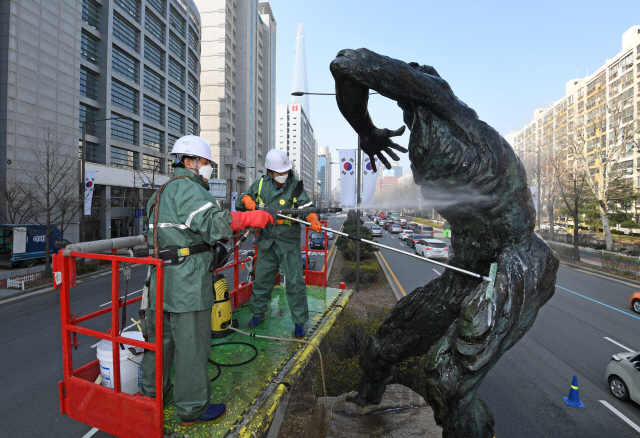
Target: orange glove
column 242, row 220
column 249, row 203
column 315, row 223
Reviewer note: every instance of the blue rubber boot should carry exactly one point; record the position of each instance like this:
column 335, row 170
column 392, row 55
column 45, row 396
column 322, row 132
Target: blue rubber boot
column 213, row 412
column 300, row 331
column 255, row 321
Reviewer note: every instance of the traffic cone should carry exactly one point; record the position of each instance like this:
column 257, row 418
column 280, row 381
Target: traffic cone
column 574, row 395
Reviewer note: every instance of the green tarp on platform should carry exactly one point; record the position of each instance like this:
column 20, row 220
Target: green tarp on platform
column 239, row 387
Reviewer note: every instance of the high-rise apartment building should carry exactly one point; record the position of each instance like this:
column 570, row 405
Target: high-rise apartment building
column 238, row 86
column 324, row 174
column 610, row 94
column 126, row 70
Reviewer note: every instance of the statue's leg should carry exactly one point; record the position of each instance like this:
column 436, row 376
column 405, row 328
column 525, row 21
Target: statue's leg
column 412, row 327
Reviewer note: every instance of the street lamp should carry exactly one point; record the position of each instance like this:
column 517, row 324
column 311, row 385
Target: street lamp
column 81, row 170
column 358, row 190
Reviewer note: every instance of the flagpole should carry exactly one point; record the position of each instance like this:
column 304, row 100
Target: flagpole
column 359, row 213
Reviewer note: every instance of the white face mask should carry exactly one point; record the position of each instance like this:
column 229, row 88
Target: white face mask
column 206, row 171
column 281, row 179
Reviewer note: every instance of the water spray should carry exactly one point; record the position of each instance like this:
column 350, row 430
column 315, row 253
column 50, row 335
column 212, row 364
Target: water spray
column 492, row 272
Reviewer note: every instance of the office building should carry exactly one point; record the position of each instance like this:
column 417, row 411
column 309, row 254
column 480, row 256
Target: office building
column 294, row 135
column 324, row 174
column 594, row 106
column 134, row 63
column 238, row 87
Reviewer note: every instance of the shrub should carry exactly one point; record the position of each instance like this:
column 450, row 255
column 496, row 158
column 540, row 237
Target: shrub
column 346, row 342
column 369, row 272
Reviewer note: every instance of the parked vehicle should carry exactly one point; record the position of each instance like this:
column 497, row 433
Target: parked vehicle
column 406, row 234
column 395, row 229
column 432, row 249
column 634, row 302
column 623, row 376
column 411, row 243
column 376, row 232
column 25, row 245
column 330, row 235
column 316, row 240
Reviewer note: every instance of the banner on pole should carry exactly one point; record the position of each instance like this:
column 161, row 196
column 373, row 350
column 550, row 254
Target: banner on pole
column 234, row 198
column 369, row 180
column 534, row 196
column 89, row 185
column 348, row 176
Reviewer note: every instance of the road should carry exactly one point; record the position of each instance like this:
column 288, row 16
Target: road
column 31, row 359
column 573, row 334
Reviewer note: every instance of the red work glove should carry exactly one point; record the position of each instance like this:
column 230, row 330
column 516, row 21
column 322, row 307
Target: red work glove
column 242, row 220
column 249, row 203
column 315, row 223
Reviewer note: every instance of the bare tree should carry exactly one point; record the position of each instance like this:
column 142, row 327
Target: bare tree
column 599, row 141
column 572, row 185
column 54, row 189
column 17, row 200
column 150, row 177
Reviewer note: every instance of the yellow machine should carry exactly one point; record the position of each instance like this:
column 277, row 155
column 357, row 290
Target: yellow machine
column 221, row 317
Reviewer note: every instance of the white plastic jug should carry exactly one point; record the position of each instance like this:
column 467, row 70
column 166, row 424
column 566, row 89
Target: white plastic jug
column 130, row 372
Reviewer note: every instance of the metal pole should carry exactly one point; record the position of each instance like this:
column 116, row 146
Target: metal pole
column 82, row 184
column 539, row 197
column 358, row 212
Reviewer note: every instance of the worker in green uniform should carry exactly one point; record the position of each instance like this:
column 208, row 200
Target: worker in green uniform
column 281, row 248
column 184, row 223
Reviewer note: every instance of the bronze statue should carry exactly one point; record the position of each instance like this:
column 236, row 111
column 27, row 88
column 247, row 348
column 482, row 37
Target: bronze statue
column 454, row 155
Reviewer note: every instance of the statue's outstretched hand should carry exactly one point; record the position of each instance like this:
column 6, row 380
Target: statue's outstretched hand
column 379, row 141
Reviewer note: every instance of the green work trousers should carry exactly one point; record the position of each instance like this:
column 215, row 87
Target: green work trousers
column 290, row 264
column 186, row 345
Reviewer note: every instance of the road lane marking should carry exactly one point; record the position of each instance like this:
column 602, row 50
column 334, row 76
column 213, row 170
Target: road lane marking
column 392, row 274
column 619, row 345
column 90, row 433
column 621, row 415
column 595, row 301
column 402, row 244
column 96, row 344
column 132, row 293
column 436, row 272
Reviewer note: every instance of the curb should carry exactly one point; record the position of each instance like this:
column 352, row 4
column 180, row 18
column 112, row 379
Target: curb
column 597, row 273
column 390, row 280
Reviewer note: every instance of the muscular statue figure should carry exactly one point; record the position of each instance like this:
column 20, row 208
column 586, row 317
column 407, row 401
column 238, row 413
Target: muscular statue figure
column 456, row 156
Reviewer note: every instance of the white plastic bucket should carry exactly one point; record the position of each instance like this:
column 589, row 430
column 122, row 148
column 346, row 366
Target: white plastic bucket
column 130, row 372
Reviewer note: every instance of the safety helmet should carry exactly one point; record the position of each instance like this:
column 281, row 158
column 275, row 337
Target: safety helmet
column 191, row 145
column 277, row 161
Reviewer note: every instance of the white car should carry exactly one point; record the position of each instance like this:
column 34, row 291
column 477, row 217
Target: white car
column 406, row 234
column 623, row 375
column 376, row 232
column 432, row 249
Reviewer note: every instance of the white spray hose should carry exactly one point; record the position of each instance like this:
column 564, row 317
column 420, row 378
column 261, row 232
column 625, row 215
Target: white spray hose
column 371, row 242
column 253, row 335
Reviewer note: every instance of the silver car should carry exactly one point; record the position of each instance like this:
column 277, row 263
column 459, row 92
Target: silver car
column 395, row 228
column 376, row 232
column 623, row 375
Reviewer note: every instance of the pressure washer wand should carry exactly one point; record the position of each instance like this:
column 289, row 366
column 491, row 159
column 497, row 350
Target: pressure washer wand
column 370, row 242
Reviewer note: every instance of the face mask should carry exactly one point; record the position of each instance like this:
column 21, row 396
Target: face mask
column 281, row 179
column 206, row 171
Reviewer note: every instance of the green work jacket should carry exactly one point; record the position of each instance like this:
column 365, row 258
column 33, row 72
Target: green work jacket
column 283, row 238
column 188, row 215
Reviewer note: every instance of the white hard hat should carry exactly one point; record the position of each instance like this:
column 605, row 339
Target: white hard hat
column 277, row 161
column 192, row 145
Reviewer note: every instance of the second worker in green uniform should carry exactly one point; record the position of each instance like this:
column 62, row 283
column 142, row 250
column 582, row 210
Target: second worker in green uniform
column 280, row 249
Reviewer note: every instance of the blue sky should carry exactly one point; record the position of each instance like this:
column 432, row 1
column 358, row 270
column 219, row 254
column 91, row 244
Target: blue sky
column 502, row 58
